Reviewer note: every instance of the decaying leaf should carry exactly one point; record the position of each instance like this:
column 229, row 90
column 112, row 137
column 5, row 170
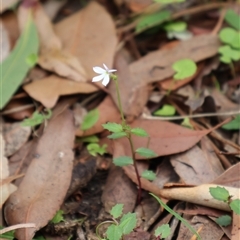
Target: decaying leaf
column 47, row 179
column 49, row 89
column 93, row 44
column 6, row 188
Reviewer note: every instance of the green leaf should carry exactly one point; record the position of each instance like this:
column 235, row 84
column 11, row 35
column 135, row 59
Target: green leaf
column 179, row 26
column 233, row 125
column 128, row 222
column 149, row 175
column 114, row 232
column 184, row 221
column 233, row 19
column 113, row 127
column 90, row 139
column 139, row 132
column 32, row 59
column 166, row 110
column 90, row 119
column 228, row 54
column 185, row 68
column 146, row 152
column 186, row 123
column 122, row 161
column 58, row 217
column 117, row 135
column 219, row 193
column 224, row 220
column 151, row 20
column 14, row 68
column 230, row 36
column 95, row 148
column 235, row 206
column 163, row 231
column 116, row 211
column 7, row 235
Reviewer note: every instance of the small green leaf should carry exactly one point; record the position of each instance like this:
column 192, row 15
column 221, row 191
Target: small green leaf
column 58, row 217
column 116, row 211
column 122, row 161
column 224, row 220
column 8, row 235
column 219, row 193
column 151, row 20
column 90, row 139
column 14, row 68
column 235, row 206
column 128, row 222
column 90, row 119
column 179, row 26
column 32, row 59
column 113, row 127
column 149, row 175
column 230, row 36
column 95, row 148
column 166, row 110
column 117, row 135
column 233, row 125
column 185, row 68
column 186, row 123
column 233, row 19
column 139, row 132
column 114, row 232
column 228, row 54
column 146, row 152
column 163, row 231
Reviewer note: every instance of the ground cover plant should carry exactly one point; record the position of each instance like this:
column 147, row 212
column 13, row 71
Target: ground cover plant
column 120, row 119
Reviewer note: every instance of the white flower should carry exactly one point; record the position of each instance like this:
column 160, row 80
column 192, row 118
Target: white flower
column 103, row 74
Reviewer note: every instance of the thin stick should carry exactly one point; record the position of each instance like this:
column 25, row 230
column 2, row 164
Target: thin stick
column 17, row 226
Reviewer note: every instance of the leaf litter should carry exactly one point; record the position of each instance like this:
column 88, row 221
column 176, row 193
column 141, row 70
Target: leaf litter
column 50, row 167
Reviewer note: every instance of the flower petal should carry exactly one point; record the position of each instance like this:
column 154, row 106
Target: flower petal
column 105, row 67
column 112, row 70
column 98, row 78
column 99, row 70
column 106, row 80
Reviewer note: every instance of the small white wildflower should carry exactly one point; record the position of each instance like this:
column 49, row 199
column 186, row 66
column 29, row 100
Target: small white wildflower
column 103, row 74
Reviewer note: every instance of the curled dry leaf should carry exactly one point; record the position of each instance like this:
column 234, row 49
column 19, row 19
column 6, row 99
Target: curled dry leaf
column 89, row 35
column 6, row 188
column 52, row 56
column 49, row 89
column 47, row 179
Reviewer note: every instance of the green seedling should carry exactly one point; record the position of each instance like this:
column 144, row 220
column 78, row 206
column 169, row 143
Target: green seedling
column 95, row 148
column 58, row 217
column 90, row 119
column 121, row 227
column 233, row 125
column 19, row 62
column 149, row 175
column 230, row 36
column 184, row 68
column 166, row 110
column 224, row 220
column 37, row 118
column 162, row 231
column 186, row 123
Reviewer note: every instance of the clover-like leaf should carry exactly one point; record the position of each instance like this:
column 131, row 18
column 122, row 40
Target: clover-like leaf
column 233, row 19
column 146, row 152
column 116, row 210
column 185, row 68
column 163, row 231
column 117, row 135
column 128, row 222
column 90, row 119
column 224, row 220
column 230, row 36
column 139, row 132
column 235, row 206
column 113, row 127
column 219, row 193
column 149, row 175
column 95, row 148
column 166, row 110
column 123, row 161
column 233, row 125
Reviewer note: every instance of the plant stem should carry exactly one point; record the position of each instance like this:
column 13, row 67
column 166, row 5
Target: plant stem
column 119, row 100
column 136, row 170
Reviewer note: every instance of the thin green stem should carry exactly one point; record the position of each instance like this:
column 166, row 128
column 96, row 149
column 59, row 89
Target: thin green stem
column 99, row 225
column 136, row 169
column 119, row 100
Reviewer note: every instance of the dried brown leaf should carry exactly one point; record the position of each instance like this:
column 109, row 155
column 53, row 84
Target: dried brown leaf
column 49, row 89
column 47, row 179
